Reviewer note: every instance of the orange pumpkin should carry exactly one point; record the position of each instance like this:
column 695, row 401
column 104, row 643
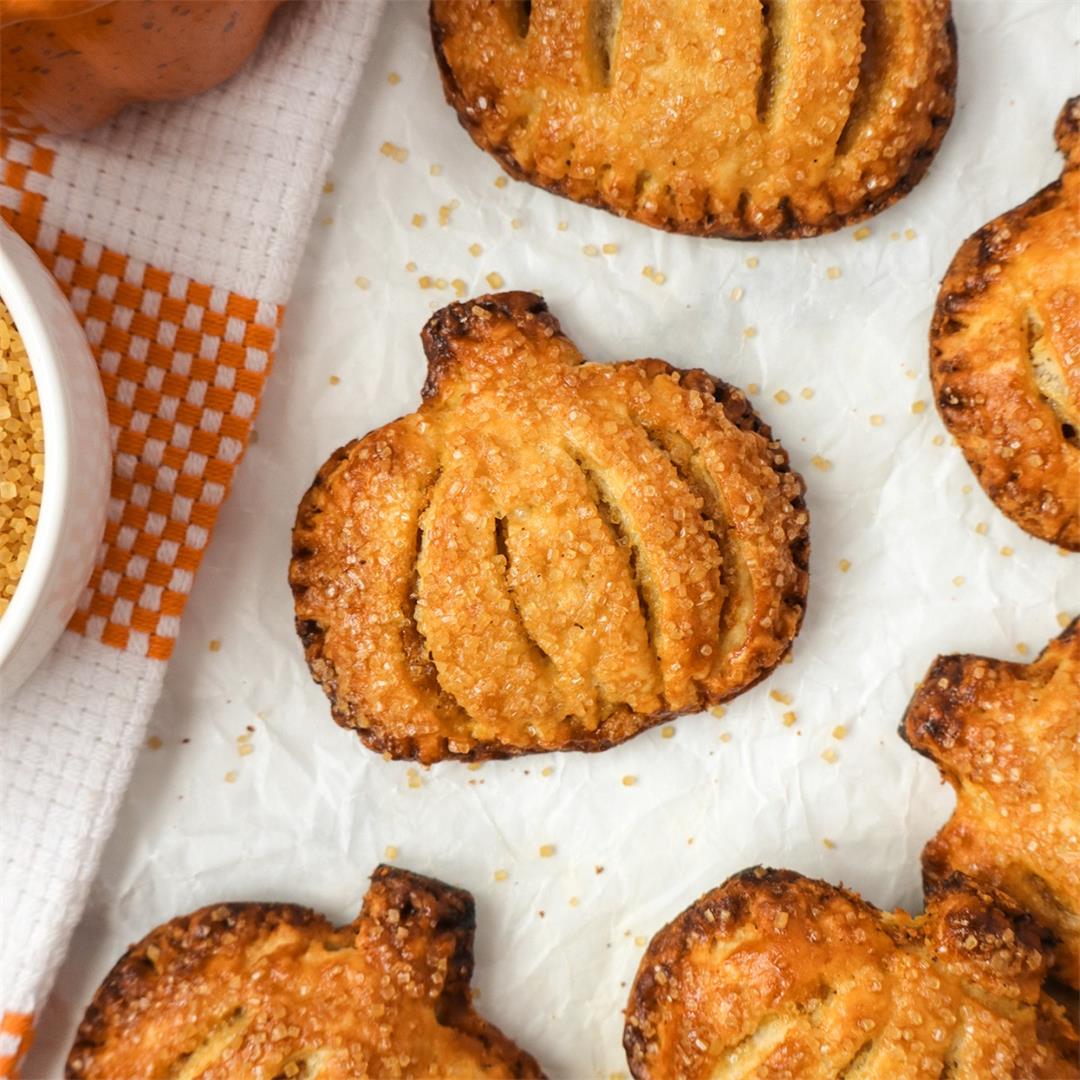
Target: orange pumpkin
column 66, row 65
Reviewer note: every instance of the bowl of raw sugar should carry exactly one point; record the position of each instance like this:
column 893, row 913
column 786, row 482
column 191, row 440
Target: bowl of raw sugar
column 55, row 462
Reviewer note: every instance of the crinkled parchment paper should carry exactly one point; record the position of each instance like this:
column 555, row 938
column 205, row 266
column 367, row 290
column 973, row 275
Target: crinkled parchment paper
column 909, row 559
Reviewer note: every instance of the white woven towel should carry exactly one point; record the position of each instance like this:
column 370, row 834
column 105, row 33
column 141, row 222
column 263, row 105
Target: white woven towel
column 175, row 230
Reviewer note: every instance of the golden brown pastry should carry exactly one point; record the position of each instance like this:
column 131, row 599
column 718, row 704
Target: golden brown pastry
column 548, row 554
column 1007, row 737
column 776, row 975
column 736, row 118
column 274, row 990
column 1005, row 353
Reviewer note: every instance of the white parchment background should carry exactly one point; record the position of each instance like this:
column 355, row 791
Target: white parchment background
column 311, row 812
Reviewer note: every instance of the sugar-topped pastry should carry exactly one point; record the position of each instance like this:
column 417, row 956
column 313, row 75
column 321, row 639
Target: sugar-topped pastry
column 277, row 991
column 549, row 553
column 731, row 118
column 1005, row 353
column 777, row 975
column 1006, row 736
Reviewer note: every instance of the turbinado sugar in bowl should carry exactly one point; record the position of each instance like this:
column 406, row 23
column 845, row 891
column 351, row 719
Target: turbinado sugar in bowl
column 22, row 457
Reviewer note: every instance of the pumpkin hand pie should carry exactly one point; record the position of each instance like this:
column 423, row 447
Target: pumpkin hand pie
column 275, row 990
column 548, row 554
column 776, row 975
column 1007, row 738
column 731, row 118
column 1005, row 353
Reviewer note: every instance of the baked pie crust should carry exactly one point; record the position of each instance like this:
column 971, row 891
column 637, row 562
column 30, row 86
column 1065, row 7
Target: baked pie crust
column 1007, row 738
column 777, row 975
column 275, row 990
column 732, row 118
column 548, row 554
column 1005, row 353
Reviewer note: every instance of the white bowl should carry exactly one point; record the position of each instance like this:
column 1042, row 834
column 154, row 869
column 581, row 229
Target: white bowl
column 78, row 463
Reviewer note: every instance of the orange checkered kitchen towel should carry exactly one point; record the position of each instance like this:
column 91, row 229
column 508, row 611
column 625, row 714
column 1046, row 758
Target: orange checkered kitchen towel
column 175, row 231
